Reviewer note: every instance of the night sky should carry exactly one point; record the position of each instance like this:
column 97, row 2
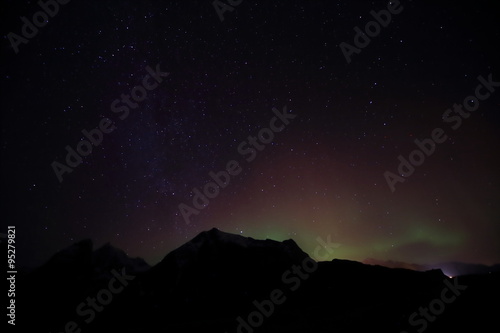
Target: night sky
column 322, row 170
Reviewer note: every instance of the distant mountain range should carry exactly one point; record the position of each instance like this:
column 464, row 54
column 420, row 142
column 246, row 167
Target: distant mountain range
column 220, row 282
column 448, row 268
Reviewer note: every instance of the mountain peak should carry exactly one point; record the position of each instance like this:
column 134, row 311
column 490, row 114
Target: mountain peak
column 214, row 242
column 77, row 252
column 109, row 256
column 215, row 235
column 83, row 260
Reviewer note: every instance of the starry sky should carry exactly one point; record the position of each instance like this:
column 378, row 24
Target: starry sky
column 321, row 175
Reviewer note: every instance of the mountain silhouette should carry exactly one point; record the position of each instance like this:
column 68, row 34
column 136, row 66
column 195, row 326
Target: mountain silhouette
column 221, row 282
column 459, row 268
column 449, row 268
column 397, row 264
column 50, row 293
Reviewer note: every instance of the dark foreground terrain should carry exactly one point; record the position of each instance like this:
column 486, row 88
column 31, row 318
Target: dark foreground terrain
column 220, row 282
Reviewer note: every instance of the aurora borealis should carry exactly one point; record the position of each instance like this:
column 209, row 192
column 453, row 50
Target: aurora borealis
column 322, row 174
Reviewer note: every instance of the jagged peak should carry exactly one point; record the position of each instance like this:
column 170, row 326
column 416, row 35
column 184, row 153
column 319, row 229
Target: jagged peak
column 215, row 235
column 215, row 239
column 108, row 248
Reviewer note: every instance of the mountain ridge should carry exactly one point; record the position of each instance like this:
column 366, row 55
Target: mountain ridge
column 217, row 280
